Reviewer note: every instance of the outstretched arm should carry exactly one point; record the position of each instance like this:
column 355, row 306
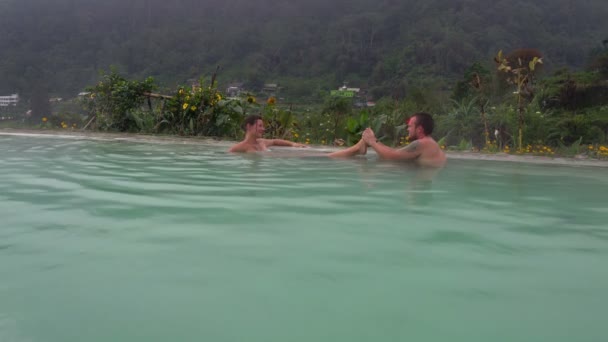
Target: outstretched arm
column 411, row 151
column 407, row 153
column 281, row 142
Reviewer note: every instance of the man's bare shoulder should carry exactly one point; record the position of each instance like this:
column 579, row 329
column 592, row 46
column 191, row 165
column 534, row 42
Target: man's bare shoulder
column 421, row 146
column 247, row 147
column 428, row 143
column 241, row 147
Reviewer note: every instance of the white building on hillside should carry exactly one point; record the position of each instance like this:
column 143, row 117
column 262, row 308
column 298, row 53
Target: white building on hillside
column 10, row 100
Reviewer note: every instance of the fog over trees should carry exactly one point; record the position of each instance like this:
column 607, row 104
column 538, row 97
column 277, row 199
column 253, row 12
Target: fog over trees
column 306, row 45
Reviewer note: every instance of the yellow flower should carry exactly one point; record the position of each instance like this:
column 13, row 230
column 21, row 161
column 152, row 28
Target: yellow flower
column 296, row 135
column 218, row 96
column 271, row 101
column 591, row 147
column 44, row 119
column 181, row 91
column 193, row 108
column 250, row 99
column 185, row 106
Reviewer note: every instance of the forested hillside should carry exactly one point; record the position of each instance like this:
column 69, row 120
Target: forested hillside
column 306, row 46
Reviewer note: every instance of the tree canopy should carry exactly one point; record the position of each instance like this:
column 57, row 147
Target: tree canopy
column 383, row 45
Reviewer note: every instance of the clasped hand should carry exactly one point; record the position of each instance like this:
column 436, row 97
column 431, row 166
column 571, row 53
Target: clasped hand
column 369, row 136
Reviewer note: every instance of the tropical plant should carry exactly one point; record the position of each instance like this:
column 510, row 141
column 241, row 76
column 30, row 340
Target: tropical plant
column 337, row 109
column 280, row 123
column 355, row 127
column 522, row 76
column 112, row 102
column 202, row 110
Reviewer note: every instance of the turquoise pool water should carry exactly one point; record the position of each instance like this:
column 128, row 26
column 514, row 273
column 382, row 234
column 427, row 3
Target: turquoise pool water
column 116, row 241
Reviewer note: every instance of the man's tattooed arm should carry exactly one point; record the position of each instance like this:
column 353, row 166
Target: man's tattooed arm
column 411, row 147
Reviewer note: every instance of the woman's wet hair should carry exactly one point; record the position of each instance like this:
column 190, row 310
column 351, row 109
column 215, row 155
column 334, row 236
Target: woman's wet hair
column 250, row 121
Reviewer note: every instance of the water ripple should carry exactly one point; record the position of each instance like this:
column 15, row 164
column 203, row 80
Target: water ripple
column 118, row 225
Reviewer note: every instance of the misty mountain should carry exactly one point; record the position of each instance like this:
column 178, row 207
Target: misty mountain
column 306, row 45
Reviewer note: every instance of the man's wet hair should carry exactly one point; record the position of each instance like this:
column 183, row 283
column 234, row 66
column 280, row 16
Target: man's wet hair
column 425, row 120
column 250, row 121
